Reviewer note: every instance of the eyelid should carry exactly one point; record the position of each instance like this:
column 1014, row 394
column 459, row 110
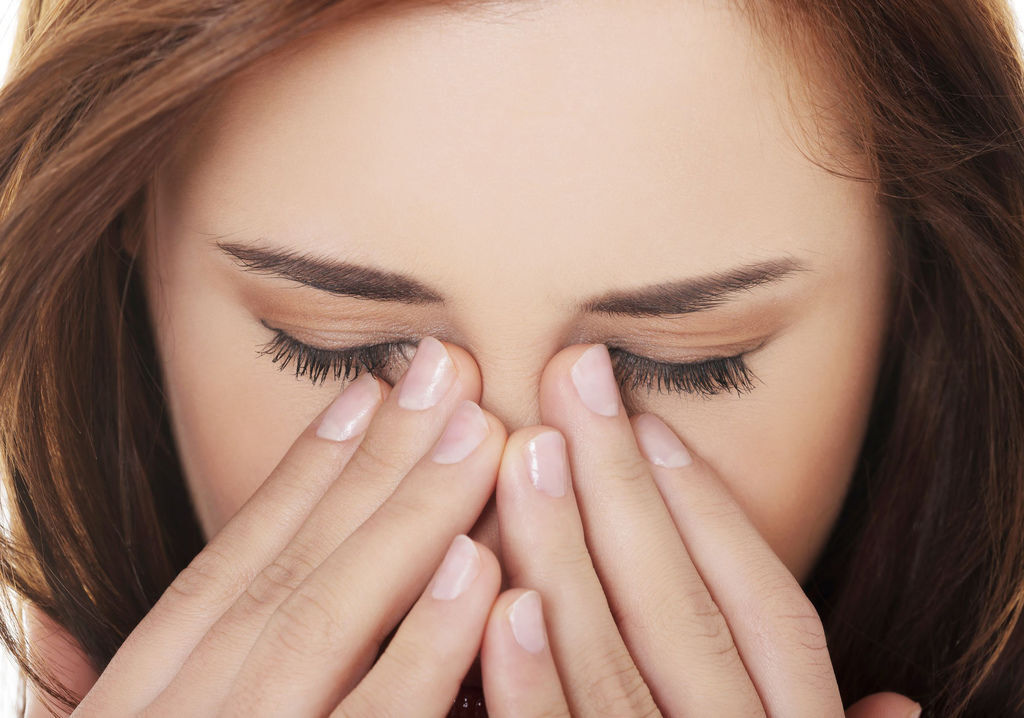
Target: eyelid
column 706, row 377
column 722, row 351
column 317, row 362
column 366, row 338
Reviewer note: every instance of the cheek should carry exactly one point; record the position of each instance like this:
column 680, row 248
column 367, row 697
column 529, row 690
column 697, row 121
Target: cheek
column 787, row 451
column 233, row 414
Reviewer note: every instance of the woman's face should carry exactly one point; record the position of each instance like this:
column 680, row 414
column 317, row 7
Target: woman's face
column 523, row 166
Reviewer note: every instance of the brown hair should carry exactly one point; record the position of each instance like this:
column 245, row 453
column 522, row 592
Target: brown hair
column 921, row 584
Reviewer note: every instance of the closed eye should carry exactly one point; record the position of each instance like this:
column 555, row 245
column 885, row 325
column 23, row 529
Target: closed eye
column 706, row 378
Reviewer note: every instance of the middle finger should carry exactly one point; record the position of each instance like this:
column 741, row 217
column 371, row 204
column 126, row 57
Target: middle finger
column 674, row 629
column 401, row 431
column 323, row 637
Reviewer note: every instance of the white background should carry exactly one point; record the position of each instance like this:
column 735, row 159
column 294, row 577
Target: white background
column 8, row 16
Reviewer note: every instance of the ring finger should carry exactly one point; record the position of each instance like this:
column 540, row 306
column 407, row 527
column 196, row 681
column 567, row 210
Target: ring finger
column 543, row 546
column 402, row 430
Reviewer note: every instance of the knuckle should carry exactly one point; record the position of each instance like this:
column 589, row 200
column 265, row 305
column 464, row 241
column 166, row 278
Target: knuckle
column 711, row 627
column 569, row 561
column 615, row 687
column 718, row 509
column 790, row 616
column 370, row 459
column 211, row 577
column 803, row 624
column 408, row 507
column 277, row 580
column 305, row 624
column 627, row 469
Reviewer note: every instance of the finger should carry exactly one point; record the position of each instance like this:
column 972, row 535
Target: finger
column 884, row 705
column 323, row 637
column 423, row 666
column 400, row 433
column 675, row 631
column 519, row 675
column 155, row 650
column 775, row 625
column 543, row 546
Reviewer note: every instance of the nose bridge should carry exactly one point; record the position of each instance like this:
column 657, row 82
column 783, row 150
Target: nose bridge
column 512, row 332
column 510, row 384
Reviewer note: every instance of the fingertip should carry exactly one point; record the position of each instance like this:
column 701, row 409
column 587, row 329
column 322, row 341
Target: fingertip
column 490, row 568
column 467, row 370
column 517, row 616
column 525, row 616
column 517, row 665
column 659, row 443
column 556, row 390
column 886, row 703
column 497, row 426
column 517, row 439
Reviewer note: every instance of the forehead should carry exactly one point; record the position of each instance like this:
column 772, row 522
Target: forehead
column 587, row 143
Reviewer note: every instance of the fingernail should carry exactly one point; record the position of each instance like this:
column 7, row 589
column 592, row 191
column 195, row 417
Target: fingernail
column 545, row 461
column 527, row 622
column 351, row 411
column 429, row 376
column 659, row 443
column 915, row 712
column 466, row 428
column 458, row 569
column 595, row 382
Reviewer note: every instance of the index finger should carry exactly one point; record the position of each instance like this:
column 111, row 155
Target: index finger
column 775, row 626
column 163, row 639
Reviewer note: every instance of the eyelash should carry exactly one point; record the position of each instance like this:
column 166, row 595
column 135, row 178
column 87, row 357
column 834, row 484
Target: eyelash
column 705, row 378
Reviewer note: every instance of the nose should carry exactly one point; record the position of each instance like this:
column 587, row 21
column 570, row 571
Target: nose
column 509, row 390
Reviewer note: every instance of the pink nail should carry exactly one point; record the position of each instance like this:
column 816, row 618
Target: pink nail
column 466, row 428
column 546, row 463
column 659, row 443
column 458, row 569
column 429, row 376
column 351, row 411
column 595, row 382
column 527, row 622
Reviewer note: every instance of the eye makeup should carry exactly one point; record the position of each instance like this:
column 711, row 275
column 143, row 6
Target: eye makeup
column 706, row 378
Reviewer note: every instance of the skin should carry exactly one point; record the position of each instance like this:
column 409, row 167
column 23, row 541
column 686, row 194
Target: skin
column 612, row 146
column 317, row 151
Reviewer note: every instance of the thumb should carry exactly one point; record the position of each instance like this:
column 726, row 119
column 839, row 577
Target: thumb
column 59, row 654
column 884, row 705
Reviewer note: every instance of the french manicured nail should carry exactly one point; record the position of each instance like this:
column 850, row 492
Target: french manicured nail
column 429, row 376
column 466, row 428
column 658, row 442
column 527, row 622
column 458, row 569
column 595, row 382
column 351, row 411
column 545, row 460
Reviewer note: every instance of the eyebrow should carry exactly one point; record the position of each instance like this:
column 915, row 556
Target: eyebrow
column 685, row 296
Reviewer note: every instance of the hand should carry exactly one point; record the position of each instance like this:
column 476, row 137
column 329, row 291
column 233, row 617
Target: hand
column 659, row 591
column 283, row 611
